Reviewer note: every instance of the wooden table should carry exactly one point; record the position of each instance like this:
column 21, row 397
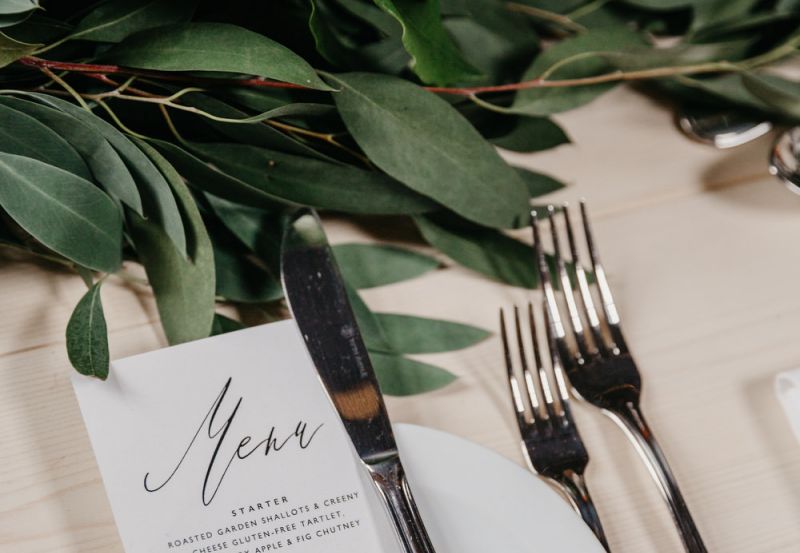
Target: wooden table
column 701, row 250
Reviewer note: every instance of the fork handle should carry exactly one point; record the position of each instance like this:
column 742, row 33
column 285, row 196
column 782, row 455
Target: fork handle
column 631, row 420
column 574, row 485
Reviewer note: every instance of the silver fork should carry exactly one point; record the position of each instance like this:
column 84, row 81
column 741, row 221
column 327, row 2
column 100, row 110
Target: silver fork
column 598, row 363
column 550, row 440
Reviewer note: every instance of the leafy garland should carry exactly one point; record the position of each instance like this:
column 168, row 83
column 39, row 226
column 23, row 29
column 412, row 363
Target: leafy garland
column 180, row 134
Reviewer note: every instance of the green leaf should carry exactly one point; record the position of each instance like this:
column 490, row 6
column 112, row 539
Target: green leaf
column 368, row 324
column 638, row 58
column 495, row 40
column 223, row 325
column 531, row 134
column 17, row 6
column 87, row 336
column 11, row 50
column 115, row 20
column 254, row 134
column 159, row 203
column 239, row 278
column 259, row 230
column 435, row 57
column 306, row 181
column 328, row 40
column 105, row 164
column 37, row 28
column 539, row 184
column 662, row 4
column 214, row 47
column 481, row 249
column 206, row 177
column 729, row 88
column 62, row 211
column 23, row 135
column 573, row 58
column 710, row 12
column 374, row 16
column 781, row 94
column 401, row 376
column 422, row 141
column 9, row 20
column 184, row 288
column 409, row 334
column 371, row 265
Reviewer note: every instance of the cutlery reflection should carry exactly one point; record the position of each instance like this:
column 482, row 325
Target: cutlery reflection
column 318, row 300
column 550, row 440
column 598, row 363
column 784, row 159
column 722, row 129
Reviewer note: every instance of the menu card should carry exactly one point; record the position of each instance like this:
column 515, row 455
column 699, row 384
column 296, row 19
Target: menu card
column 229, row 444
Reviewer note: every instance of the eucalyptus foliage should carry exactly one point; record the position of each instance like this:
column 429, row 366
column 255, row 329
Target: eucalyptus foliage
column 181, row 134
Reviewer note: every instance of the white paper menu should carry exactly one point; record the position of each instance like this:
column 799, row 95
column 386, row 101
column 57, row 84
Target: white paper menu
column 229, row 444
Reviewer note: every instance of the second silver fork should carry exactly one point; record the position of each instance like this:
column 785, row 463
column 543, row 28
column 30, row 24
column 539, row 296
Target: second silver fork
column 550, row 440
column 597, row 360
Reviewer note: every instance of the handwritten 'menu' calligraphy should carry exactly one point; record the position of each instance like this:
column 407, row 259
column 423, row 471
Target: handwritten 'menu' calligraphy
column 217, row 426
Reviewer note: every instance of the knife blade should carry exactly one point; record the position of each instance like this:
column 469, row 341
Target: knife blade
column 317, row 298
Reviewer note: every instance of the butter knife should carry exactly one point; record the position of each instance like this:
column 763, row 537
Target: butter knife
column 318, row 300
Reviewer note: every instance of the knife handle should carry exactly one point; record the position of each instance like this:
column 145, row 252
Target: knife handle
column 390, row 479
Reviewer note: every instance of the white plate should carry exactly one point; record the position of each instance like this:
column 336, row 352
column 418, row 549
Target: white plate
column 475, row 501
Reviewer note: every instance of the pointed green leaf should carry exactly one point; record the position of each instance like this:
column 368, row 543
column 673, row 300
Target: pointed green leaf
column 531, row 134
column 210, row 46
column 204, row 176
column 87, row 336
column 24, row 135
column 573, row 58
column 409, row 334
column 223, row 325
column 306, row 181
column 539, row 184
column 254, row 134
column 259, row 230
column 11, row 50
column 781, row 94
column 422, row 141
column 371, row 265
column 62, row 211
column 9, row 20
column 158, row 200
column 435, row 57
column 481, row 249
column 115, row 20
column 368, row 324
column 17, row 6
column 239, row 278
column 184, row 288
column 103, row 161
column 401, row 376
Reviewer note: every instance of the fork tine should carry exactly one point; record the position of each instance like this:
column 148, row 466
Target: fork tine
column 546, row 285
column 532, row 383
column 566, row 288
column 607, row 300
column 587, row 301
column 558, row 368
column 513, row 382
column 542, row 380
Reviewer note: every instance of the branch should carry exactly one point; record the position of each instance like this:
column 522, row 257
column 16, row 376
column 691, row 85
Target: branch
column 40, row 63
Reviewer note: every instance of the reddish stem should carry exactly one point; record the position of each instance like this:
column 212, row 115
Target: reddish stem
column 163, row 75
column 100, row 69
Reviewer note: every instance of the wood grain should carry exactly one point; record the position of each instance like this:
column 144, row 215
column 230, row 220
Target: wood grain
column 699, row 248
